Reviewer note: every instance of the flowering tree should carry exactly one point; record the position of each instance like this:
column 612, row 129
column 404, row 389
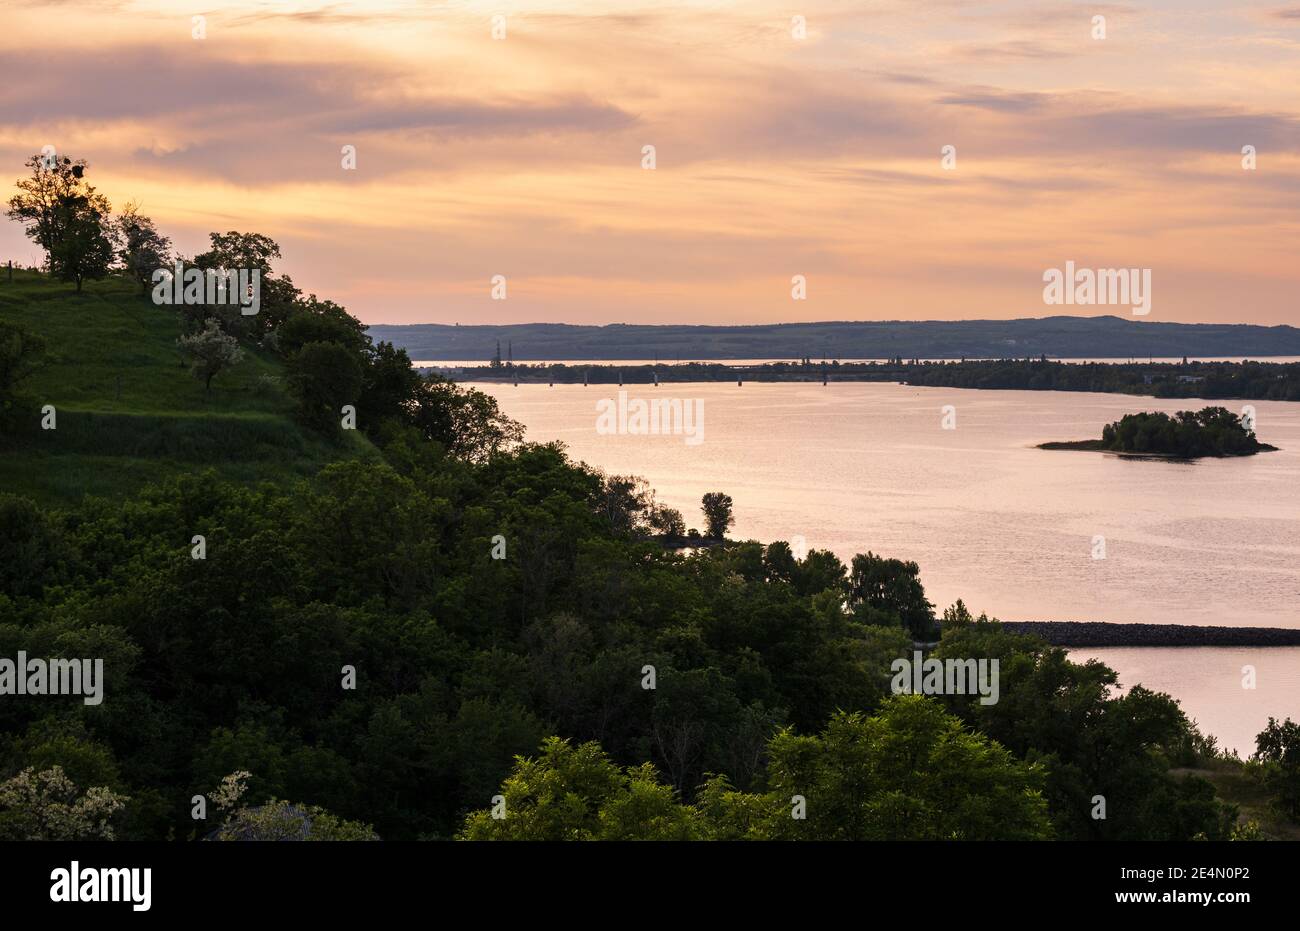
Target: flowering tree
column 210, row 350
column 48, row 806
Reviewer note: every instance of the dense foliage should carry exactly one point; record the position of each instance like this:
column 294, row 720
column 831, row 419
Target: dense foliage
column 464, row 662
column 1277, row 749
column 1213, row 431
column 889, row 776
column 1273, row 381
column 1246, row 380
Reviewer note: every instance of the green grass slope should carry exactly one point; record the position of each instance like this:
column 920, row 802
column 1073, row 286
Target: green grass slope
column 128, row 409
column 1236, row 784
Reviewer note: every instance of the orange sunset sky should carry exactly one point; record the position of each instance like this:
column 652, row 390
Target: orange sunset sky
column 776, row 155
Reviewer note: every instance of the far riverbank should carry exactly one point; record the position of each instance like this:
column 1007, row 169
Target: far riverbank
column 1245, row 381
column 1101, row 634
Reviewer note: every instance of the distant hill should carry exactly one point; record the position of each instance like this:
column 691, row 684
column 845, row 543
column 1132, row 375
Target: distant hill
column 128, row 411
column 1056, row 337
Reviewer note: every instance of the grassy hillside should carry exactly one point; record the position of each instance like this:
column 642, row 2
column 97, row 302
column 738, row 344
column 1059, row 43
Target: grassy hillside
column 1236, row 784
column 128, row 409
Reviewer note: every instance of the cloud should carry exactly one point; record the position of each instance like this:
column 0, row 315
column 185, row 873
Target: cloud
column 257, row 120
column 522, row 156
column 998, row 101
column 1188, row 129
column 201, row 91
column 1014, row 50
column 478, row 118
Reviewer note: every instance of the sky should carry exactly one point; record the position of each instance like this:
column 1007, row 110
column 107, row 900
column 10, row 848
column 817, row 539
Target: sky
column 793, row 138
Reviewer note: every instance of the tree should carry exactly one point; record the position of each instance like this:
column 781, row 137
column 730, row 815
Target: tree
column 1211, row 431
column 65, row 217
column 33, row 552
column 909, row 772
column 316, row 321
column 468, row 423
column 718, row 518
column 667, row 522
column 85, row 250
column 625, row 501
column 693, row 712
column 820, row 570
column 1278, row 748
column 234, row 250
column 779, row 562
column 210, row 351
column 1059, row 712
column 280, row 298
column 278, row 820
column 389, row 385
column 891, row 588
column 577, row 793
column 322, row 378
column 47, row 805
column 141, row 249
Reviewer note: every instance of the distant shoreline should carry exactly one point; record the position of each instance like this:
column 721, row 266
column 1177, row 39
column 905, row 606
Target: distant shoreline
column 1102, row 634
column 1210, row 381
column 1056, row 336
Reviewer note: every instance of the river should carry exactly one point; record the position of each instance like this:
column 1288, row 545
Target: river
column 951, row 478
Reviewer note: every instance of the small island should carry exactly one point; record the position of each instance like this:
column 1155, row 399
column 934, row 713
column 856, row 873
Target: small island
column 1212, row 431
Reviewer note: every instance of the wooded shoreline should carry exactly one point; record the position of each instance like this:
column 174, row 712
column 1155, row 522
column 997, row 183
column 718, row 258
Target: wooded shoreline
column 1102, row 634
column 1244, row 381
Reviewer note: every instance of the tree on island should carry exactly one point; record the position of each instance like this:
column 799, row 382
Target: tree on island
column 1212, row 431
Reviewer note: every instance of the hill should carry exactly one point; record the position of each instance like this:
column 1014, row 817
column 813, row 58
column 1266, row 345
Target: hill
column 128, row 410
column 1057, row 337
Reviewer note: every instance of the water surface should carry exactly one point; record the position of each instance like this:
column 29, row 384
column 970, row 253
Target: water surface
column 1210, row 684
column 992, row 520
